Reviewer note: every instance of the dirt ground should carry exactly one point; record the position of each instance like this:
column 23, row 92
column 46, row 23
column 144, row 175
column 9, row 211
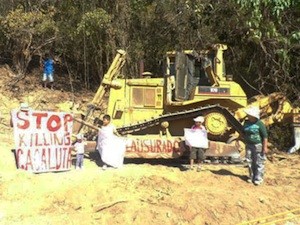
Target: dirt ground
column 143, row 191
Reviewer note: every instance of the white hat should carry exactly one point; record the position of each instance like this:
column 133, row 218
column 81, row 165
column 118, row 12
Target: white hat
column 199, row 119
column 79, row 136
column 24, row 106
column 253, row 111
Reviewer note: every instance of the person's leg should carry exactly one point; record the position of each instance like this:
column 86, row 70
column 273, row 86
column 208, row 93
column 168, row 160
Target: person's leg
column 51, row 80
column 44, row 80
column 250, row 149
column 260, row 165
column 81, row 161
column 77, row 161
column 193, row 156
column 201, row 158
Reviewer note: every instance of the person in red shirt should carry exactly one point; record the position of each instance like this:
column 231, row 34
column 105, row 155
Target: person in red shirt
column 197, row 153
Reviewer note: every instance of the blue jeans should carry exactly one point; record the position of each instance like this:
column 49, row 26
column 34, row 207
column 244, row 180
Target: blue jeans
column 256, row 161
column 79, row 160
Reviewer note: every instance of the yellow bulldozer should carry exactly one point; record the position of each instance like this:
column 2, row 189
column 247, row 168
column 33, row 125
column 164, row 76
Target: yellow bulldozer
column 152, row 112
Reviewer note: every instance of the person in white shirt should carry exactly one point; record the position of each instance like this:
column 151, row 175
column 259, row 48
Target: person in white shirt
column 79, row 148
column 111, row 147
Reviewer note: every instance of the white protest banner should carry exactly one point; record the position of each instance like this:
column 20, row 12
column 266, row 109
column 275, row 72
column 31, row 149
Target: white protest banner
column 196, row 138
column 43, row 140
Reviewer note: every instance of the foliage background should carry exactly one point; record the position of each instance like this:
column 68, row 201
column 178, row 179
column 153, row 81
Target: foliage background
column 263, row 37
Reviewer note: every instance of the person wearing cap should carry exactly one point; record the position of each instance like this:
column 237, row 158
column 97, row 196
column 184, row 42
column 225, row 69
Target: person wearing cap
column 256, row 140
column 79, row 148
column 197, row 153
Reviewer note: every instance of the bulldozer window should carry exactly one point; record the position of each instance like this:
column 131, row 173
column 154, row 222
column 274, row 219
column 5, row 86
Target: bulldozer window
column 201, row 74
column 172, row 66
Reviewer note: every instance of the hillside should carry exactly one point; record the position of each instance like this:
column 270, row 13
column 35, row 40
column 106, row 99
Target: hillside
column 143, row 191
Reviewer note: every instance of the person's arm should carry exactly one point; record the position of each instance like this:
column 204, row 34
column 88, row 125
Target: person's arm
column 264, row 135
column 115, row 131
column 265, row 145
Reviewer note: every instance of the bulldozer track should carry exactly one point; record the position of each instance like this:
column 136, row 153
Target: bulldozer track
column 278, row 218
column 182, row 115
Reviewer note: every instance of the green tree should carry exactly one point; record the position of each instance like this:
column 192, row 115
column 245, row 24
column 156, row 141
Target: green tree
column 28, row 33
column 271, row 42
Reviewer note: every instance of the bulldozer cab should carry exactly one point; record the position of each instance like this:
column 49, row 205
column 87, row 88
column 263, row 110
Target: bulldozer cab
column 191, row 69
column 189, row 73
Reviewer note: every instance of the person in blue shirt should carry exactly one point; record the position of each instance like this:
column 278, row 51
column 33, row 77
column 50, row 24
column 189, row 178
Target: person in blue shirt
column 48, row 71
column 256, row 140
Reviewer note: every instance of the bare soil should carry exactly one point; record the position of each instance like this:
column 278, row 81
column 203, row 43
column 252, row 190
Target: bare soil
column 143, row 191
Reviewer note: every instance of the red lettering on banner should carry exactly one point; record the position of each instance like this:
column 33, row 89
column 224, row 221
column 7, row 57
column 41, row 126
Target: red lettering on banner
column 133, row 146
column 164, row 147
column 18, row 156
column 36, row 157
column 21, row 140
column 39, row 116
column 153, row 146
column 146, row 145
column 157, row 145
column 169, row 146
column 44, row 158
column 56, row 140
column 37, row 140
column 140, row 146
column 57, row 124
column 49, row 159
column 67, row 138
column 45, row 140
column 67, row 119
column 64, row 157
column 58, row 158
column 25, row 121
column 28, row 161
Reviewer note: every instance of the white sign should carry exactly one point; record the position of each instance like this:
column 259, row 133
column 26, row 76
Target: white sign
column 43, row 140
column 196, row 138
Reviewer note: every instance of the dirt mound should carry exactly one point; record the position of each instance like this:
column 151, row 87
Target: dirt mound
column 141, row 192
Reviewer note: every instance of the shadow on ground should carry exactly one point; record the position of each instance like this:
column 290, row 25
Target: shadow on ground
column 224, row 172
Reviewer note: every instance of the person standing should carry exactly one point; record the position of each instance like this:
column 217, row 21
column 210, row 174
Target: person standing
column 79, row 148
column 48, row 71
column 197, row 153
column 256, row 140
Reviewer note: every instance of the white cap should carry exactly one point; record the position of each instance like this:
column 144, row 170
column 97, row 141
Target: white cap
column 79, row 136
column 253, row 111
column 24, row 106
column 199, row 119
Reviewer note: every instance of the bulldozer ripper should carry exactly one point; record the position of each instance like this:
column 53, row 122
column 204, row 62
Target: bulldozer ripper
column 42, row 159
